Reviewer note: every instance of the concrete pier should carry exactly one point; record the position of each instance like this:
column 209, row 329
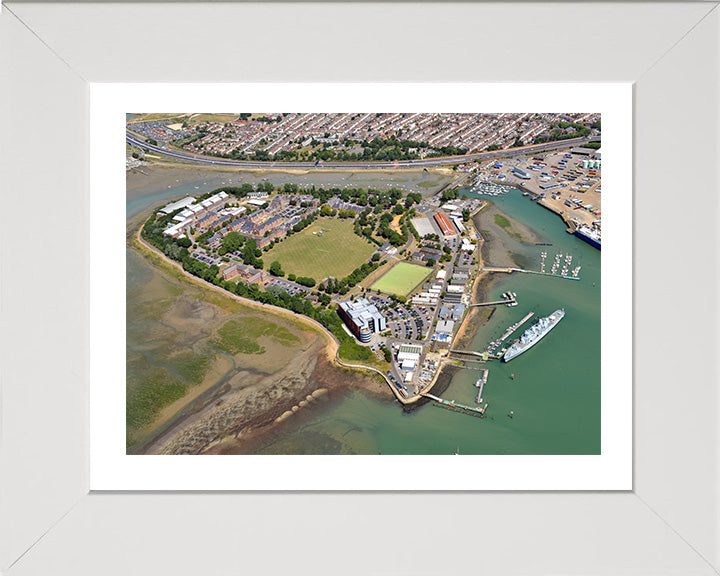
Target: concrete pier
column 545, row 274
column 511, row 270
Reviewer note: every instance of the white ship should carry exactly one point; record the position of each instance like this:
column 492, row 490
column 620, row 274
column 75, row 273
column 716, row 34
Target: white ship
column 590, row 235
column 533, row 335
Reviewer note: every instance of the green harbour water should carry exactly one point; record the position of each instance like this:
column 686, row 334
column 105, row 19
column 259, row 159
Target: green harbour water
column 555, row 392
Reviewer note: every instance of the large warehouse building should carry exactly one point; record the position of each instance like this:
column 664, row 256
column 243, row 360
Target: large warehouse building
column 445, row 226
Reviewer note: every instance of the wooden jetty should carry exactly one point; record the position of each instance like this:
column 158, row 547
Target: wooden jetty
column 511, row 301
column 453, row 406
column 471, row 352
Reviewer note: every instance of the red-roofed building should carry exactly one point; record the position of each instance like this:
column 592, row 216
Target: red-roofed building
column 444, row 224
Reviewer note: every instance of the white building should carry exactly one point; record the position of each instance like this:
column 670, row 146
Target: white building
column 409, row 352
column 459, row 224
column 185, row 202
column 177, row 230
column 408, row 365
column 190, row 213
column 425, row 299
column 362, row 317
column 467, row 246
column 234, row 211
column 445, row 327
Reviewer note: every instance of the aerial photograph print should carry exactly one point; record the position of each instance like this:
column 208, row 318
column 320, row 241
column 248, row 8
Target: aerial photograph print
column 363, row 283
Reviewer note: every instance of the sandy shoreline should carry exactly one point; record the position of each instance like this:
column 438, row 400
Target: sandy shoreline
column 493, row 252
column 218, row 415
column 227, row 419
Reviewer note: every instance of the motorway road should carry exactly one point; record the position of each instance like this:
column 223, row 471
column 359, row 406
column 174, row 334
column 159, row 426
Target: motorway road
column 135, row 140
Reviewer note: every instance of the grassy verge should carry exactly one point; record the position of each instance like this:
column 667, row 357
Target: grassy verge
column 352, row 352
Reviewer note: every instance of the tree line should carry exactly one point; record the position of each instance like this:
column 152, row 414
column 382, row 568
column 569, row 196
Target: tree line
column 177, row 249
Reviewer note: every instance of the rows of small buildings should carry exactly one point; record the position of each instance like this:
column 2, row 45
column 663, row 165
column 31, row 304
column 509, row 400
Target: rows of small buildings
column 161, row 131
column 264, row 226
column 273, row 222
column 453, row 306
column 474, row 132
column 204, row 214
column 432, row 294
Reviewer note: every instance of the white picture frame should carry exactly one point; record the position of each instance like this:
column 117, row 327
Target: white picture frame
column 50, row 523
column 112, row 469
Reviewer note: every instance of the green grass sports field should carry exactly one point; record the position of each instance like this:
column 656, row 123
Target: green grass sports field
column 401, row 279
column 337, row 252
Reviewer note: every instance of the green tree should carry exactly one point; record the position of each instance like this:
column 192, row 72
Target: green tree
column 276, row 269
column 245, row 189
column 231, row 242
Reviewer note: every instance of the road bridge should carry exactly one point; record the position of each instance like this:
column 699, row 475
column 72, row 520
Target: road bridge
column 179, row 154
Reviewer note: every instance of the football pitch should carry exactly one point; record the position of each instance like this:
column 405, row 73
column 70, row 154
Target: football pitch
column 328, row 247
column 401, row 279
